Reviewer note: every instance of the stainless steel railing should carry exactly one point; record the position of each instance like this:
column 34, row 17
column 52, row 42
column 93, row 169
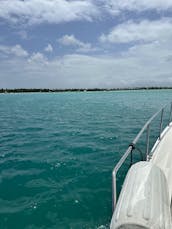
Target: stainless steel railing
column 133, row 146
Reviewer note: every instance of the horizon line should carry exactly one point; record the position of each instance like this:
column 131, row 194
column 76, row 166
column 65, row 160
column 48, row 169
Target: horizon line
column 15, row 90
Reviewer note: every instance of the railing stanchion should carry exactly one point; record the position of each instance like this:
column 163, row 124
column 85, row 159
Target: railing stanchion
column 114, row 191
column 147, row 141
column 161, row 123
column 131, row 158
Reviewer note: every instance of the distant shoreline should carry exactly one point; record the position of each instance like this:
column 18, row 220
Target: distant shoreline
column 45, row 90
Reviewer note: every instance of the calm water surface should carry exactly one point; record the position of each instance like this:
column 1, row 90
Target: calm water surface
column 57, row 152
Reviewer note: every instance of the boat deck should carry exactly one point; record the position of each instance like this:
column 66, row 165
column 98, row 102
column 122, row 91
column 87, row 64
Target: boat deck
column 162, row 155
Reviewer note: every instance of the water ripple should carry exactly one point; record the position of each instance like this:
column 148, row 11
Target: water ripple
column 58, row 151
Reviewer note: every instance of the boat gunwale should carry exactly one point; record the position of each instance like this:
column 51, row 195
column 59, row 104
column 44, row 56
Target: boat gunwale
column 132, row 146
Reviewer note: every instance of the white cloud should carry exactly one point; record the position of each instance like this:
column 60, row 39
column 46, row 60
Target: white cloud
column 48, row 48
column 117, row 6
column 16, row 50
column 144, row 31
column 146, row 63
column 31, row 12
column 71, row 40
column 37, row 57
column 46, row 11
column 143, row 65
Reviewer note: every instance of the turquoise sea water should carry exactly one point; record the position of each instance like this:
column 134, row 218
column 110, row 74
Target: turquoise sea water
column 57, row 152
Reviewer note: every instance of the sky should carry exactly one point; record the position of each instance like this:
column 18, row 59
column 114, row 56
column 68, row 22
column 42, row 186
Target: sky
column 85, row 43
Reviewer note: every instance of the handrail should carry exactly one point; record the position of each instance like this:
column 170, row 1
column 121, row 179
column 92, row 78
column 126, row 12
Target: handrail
column 132, row 146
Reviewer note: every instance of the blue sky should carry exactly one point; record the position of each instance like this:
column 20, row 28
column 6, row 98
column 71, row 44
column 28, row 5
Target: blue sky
column 85, row 43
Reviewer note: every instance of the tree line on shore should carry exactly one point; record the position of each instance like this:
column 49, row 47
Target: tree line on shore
column 27, row 90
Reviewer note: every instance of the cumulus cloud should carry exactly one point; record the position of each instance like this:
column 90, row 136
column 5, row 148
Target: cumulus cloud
column 144, row 31
column 48, row 48
column 16, row 50
column 31, row 12
column 71, row 40
column 117, row 6
column 142, row 65
column 45, row 11
column 37, row 57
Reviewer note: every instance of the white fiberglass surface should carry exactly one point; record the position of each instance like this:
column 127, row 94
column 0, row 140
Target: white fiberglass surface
column 144, row 200
column 162, row 156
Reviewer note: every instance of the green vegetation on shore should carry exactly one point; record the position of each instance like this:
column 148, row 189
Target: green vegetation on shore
column 27, row 90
